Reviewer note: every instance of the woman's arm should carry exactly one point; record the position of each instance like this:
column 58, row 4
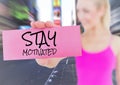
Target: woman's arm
column 47, row 62
column 117, row 47
column 118, row 69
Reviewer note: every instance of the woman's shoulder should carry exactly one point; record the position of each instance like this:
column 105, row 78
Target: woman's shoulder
column 115, row 42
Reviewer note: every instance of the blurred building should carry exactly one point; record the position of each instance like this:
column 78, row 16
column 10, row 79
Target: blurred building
column 115, row 16
column 6, row 22
column 14, row 13
column 46, row 11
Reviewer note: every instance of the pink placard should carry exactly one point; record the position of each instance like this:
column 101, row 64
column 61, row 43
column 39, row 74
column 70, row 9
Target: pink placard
column 41, row 43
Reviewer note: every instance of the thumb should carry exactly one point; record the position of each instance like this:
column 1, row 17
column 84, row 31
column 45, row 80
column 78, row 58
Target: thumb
column 32, row 24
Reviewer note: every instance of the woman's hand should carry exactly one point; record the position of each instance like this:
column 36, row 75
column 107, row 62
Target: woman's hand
column 39, row 24
column 47, row 62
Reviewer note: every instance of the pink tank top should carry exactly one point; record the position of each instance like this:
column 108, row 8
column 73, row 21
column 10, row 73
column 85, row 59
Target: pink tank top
column 95, row 68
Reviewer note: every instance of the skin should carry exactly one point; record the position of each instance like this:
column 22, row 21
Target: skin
column 93, row 37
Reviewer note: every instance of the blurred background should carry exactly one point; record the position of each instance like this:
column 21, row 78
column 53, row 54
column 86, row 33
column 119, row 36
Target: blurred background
column 17, row 14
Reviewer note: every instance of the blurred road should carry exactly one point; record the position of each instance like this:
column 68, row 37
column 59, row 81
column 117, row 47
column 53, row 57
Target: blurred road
column 25, row 72
column 28, row 72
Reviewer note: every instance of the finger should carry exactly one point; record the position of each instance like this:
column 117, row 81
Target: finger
column 56, row 25
column 32, row 24
column 50, row 24
column 39, row 24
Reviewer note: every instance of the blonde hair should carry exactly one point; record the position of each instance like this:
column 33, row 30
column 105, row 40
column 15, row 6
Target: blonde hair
column 106, row 18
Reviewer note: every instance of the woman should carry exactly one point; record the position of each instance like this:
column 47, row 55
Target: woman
column 100, row 49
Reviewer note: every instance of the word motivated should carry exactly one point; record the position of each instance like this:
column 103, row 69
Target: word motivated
column 39, row 52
